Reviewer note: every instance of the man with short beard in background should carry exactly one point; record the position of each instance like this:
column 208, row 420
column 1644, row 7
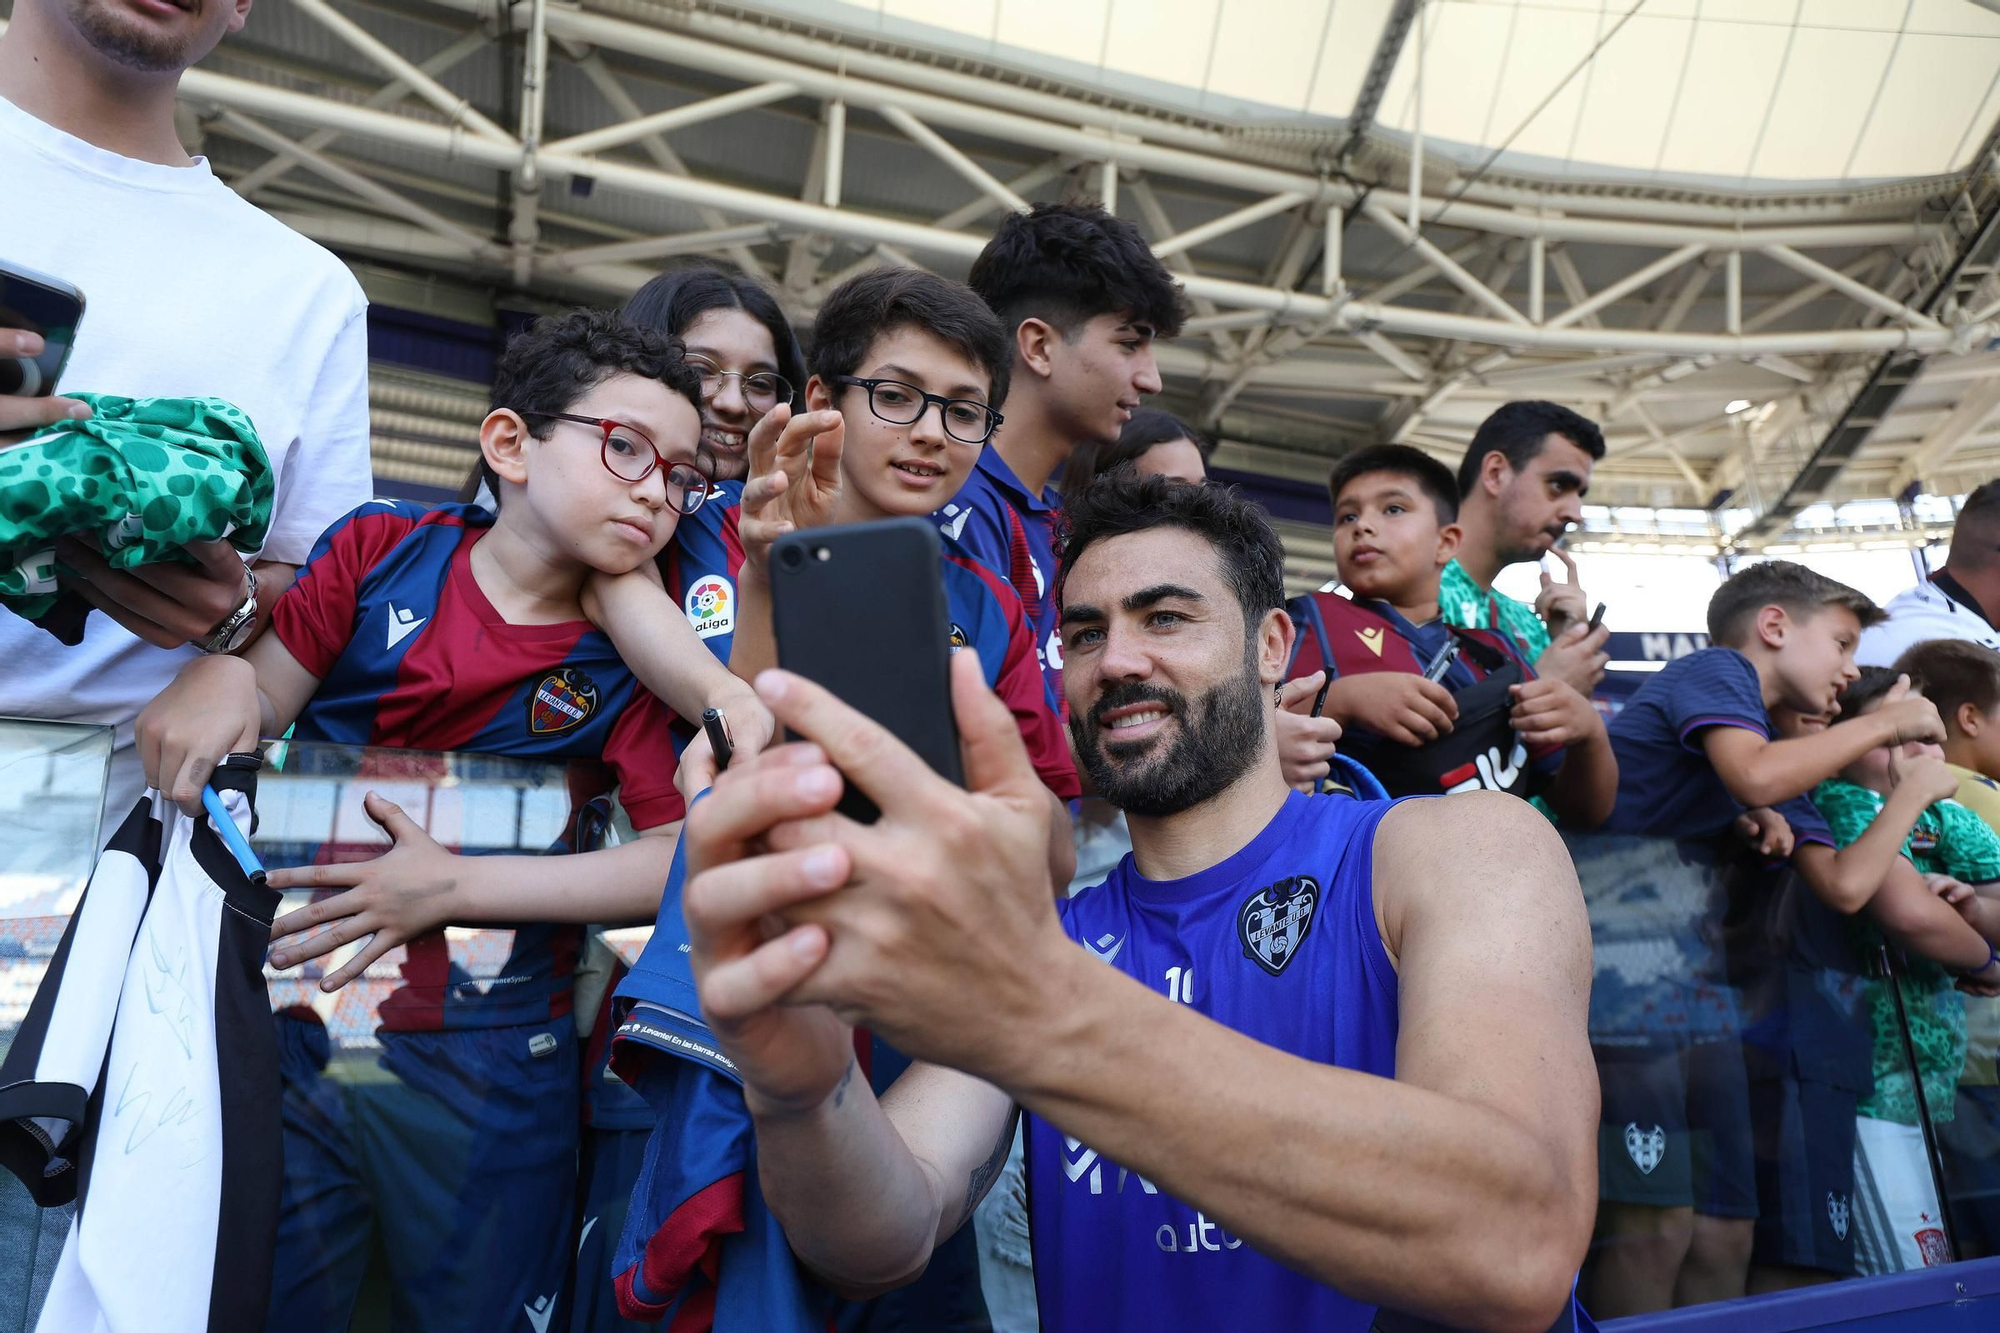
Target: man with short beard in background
column 191, row 292
column 1521, row 486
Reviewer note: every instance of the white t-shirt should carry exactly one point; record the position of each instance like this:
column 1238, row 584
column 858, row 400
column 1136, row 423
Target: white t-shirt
column 189, row 291
column 1916, row 615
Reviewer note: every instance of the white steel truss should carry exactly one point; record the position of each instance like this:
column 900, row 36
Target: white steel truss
column 1482, row 296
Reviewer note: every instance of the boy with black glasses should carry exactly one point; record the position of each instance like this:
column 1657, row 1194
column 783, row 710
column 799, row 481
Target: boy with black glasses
column 909, row 372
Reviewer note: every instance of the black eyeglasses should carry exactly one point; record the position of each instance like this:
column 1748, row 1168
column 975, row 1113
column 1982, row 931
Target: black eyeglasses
column 762, row 390
column 629, row 454
column 966, row 420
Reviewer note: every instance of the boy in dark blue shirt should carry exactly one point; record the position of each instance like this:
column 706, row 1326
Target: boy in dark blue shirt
column 1697, row 754
column 1695, row 745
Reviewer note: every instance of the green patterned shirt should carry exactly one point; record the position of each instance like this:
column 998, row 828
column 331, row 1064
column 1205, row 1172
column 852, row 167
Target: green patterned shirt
column 1465, row 604
column 1948, row 840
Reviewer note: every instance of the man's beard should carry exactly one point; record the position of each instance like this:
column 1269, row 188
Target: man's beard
column 1214, row 744
column 127, row 43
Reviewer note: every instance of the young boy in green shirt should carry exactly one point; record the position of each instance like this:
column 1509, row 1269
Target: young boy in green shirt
column 1896, row 1214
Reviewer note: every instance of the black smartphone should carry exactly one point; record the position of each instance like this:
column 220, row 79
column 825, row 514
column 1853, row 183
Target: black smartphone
column 1596, row 619
column 860, row 610
column 717, row 727
column 40, row 304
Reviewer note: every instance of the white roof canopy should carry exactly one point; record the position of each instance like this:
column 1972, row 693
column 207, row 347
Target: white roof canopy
column 1721, row 93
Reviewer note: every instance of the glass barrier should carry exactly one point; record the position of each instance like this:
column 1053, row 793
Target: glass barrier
column 1761, row 1128
column 52, row 777
column 445, row 1103
column 1784, row 1102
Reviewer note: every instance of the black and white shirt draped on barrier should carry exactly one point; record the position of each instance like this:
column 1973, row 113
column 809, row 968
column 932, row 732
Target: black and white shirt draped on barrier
column 144, row 1084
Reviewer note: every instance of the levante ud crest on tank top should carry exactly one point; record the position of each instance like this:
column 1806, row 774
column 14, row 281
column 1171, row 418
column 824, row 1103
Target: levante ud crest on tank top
column 1274, row 920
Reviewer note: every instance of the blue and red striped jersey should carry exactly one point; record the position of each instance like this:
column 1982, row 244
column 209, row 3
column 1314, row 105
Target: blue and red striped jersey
column 411, row 654
column 699, row 567
column 986, row 616
column 1012, row 532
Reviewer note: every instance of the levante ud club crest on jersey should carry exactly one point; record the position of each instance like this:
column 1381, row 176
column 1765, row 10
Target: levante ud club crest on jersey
column 1273, row 921
column 563, row 700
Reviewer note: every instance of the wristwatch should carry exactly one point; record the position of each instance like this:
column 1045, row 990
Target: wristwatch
column 236, row 627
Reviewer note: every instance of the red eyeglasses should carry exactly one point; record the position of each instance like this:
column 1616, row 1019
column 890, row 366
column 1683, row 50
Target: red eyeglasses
column 629, row 454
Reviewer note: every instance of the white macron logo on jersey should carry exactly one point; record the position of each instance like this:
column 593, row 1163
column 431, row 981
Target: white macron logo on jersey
column 1107, row 946
column 538, row 1313
column 955, row 523
column 402, row 624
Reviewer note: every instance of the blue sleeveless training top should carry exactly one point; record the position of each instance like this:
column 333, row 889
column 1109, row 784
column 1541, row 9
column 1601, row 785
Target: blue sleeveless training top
column 1280, row 943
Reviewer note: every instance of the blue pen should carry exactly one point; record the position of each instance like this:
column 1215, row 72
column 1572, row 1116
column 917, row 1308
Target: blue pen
column 232, row 837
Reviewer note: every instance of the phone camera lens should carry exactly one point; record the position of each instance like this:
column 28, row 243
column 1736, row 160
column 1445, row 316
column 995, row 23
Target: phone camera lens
column 791, row 557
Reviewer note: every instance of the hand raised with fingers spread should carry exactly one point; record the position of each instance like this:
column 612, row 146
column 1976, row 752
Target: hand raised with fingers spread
column 794, row 477
column 401, row 894
column 1563, row 604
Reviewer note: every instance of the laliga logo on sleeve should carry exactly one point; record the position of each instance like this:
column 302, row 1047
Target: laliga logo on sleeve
column 1836, row 1213
column 563, row 700
column 711, row 606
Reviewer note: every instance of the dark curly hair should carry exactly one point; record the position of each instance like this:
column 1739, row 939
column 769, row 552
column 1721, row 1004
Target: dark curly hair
column 1149, row 426
column 1066, row 264
column 558, row 359
column 1121, row 502
column 883, row 300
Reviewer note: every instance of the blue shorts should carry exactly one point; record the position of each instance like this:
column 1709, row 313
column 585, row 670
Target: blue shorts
column 457, row 1148
column 610, row 1166
column 1804, row 1135
column 1674, row 1131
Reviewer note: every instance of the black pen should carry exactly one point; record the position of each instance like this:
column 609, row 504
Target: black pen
column 717, row 727
column 1442, row 662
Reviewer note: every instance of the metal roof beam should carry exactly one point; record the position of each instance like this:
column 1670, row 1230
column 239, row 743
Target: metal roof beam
column 201, row 87
column 1381, row 68
column 1215, row 167
column 1980, row 402
column 388, row 95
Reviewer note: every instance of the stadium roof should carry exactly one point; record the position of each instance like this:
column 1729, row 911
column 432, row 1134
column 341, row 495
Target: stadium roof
column 1755, row 238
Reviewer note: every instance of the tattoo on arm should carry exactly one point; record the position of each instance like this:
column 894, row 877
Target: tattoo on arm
column 840, row 1092
column 982, row 1177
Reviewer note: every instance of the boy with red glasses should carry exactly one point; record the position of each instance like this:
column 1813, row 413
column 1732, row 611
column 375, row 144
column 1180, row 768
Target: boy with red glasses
column 459, row 629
